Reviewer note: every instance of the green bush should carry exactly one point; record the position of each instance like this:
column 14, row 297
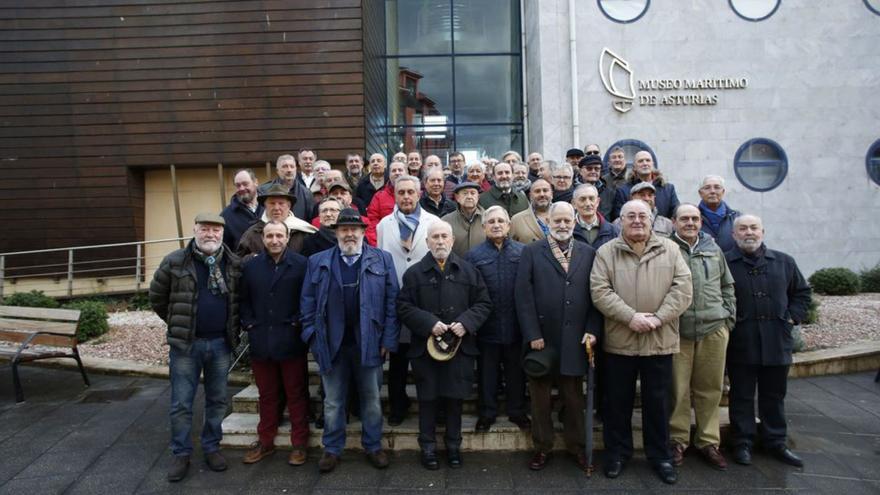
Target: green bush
column 812, row 312
column 871, row 279
column 140, row 301
column 32, row 299
column 92, row 319
column 835, row 281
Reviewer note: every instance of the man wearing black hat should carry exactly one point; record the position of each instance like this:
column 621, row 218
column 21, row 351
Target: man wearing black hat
column 573, row 156
column 302, row 202
column 557, row 318
column 278, row 203
column 443, row 301
column 195, row 291
column 350, row 323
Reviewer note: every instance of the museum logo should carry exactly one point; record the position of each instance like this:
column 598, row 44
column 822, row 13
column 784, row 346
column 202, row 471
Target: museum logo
column 619, row 80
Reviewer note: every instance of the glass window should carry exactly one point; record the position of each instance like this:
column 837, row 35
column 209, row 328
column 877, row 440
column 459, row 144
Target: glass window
column 416, row 27
column 478, row 141
column 624, row 10
column 630, row 148
column 754, row 10
column 873, row 6
column 419, row 86
column 486, row 26
column 760, row 164
column 872, row 162
column 489, row 89
column 434, row 139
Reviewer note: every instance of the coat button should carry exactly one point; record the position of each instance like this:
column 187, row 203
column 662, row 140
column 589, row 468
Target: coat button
column 567, row 302
column 568, row 282
column 408, row 260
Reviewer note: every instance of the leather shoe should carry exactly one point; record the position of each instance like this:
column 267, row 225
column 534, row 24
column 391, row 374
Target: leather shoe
column 328, row 462
column 379, row 459
column 539, row 461
column 613, row 469
column 714, row 457
column 297, row 456
column 257, row 452
column 742, row 454
column 785, row 455
column 581, row 460
column 483, row 424
column 429, row 461
column 523, row 422
column 678, row 453
column 216, row 461
column 454, row 458
column 395, row 419
column 178, row 468
column 666, row 472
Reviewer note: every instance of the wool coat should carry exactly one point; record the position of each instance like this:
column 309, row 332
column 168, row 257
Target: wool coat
column 238, row 219
column 468, row 234
column 524, row 227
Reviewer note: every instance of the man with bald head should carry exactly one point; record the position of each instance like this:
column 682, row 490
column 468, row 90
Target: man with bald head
column 374, row 181
column 644, row 171
column 557, row 318
column 698, row 368
column 717, row 218
column 533, row 223
column 444, row 301
column 642, row 285
column 771, row 297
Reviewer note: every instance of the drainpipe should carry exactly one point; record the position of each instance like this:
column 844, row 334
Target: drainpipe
column 525, row 99
column 572, row 49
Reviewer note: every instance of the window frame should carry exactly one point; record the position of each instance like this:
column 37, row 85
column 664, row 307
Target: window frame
column 619, row 21
column 754, row 19
column 871, row 7
column 783, row 161
column 628, row 142
column 868, row 158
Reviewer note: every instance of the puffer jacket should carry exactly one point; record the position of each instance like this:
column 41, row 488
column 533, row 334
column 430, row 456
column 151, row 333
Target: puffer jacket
column 174, row 292
column 623, row 284
column 714, row 304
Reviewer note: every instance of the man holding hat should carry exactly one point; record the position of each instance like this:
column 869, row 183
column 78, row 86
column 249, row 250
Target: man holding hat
column 195, row 291
column 278, row 202
column 350, row 323
column 557, row 318
column 443, row 301
column 466, row 220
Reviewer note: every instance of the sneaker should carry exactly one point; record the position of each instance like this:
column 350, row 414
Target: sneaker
column 178, row 468
column 257, row 452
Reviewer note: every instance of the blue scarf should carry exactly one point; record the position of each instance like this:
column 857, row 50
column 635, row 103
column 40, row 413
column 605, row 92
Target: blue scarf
column 714, row 218
column 408, row 223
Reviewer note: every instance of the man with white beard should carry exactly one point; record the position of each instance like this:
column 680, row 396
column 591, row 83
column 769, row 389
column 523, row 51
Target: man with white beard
column 556, row 319
column 195, row 291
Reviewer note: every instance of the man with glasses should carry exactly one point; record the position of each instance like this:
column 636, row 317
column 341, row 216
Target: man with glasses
column 562, row 176
column 642, row 285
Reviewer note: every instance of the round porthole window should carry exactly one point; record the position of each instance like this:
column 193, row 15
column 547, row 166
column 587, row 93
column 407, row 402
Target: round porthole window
column 754, row 10
column 630, row 147
column 760, row 164
column 624, row 11
column 872, row 162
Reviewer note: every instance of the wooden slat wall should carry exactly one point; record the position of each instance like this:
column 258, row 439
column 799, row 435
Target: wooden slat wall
column 94, row 91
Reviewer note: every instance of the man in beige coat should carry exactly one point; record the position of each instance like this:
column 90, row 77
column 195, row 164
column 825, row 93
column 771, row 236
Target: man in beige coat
column 641, row 283
column 533, row 223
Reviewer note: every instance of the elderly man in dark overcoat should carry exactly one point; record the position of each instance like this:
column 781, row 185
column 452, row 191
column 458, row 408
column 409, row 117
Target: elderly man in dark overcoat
column 442, row 294
column 771, row 297
column 555, row 311
column 271, row 283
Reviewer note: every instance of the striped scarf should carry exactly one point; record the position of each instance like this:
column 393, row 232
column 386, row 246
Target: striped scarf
column 563, row 257
column 216, row 282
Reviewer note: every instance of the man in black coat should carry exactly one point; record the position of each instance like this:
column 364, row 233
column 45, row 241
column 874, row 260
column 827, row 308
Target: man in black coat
column 243, row 210
column 271, row 283
column 771, row 297
column 555, row 311
column 442, row 294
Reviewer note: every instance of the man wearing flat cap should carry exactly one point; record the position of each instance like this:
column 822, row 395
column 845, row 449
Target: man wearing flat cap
column 557, row 318
column 195, row 291
column 443, row 301
column 350, row 324
column 590, row 172
column 278, row 203
column 646, row 192
column 467, row 219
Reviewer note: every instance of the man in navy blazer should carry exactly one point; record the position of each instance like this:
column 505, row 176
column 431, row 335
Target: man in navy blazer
column 270, row 288
column 349, row 319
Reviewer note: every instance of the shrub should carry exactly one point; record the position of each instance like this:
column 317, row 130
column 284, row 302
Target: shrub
column 92, row 319
column 835, row 281
column 140, row 301
column 812, row 312
column 871, row 279
column 32, row 299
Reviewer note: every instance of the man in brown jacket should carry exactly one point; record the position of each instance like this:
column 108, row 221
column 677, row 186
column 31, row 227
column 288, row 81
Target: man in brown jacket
column 641, row 283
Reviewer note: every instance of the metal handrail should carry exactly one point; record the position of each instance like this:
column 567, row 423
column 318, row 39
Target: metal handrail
column 97, row 246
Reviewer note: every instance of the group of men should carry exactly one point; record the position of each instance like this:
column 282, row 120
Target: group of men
column 500, row 274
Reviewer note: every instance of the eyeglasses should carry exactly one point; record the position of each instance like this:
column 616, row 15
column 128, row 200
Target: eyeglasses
column 592, row 153
column 561, row 177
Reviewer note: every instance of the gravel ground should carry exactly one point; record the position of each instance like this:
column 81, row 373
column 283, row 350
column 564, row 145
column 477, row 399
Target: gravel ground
column 140, row 335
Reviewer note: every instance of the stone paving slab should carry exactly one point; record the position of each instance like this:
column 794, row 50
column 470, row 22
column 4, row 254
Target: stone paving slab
column 58, row 443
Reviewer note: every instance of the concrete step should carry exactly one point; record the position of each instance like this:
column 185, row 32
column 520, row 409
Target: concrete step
column 240, row 431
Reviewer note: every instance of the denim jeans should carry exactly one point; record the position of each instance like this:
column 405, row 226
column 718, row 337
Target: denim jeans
column 336, row 382
column 212, row 356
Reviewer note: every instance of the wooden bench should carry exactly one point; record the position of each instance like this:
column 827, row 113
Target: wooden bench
column 54, row 330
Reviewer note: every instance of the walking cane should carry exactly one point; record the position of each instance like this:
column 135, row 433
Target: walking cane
column 588, row 412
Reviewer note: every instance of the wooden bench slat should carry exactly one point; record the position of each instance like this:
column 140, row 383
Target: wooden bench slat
column 49, row 340
column 12, row 325
column 41, row 313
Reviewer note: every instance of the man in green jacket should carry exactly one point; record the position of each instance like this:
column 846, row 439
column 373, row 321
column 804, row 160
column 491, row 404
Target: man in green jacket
column 704, row 329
